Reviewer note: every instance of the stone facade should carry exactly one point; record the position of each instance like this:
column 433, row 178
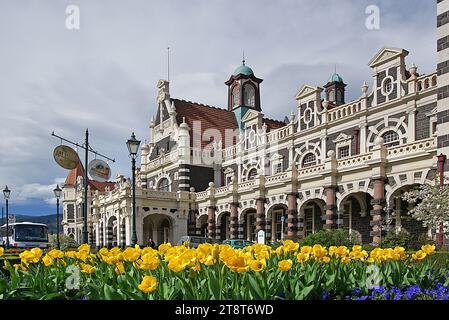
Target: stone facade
column 230, row 172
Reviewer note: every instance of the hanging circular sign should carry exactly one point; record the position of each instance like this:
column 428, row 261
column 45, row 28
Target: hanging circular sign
column 99, row 170
column 66, row 157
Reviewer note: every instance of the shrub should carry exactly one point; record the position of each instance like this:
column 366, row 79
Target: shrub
column 65, row 241
column 397, row 239
column 327, row 238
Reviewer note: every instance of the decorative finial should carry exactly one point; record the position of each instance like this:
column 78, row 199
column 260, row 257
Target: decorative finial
column 243, row 60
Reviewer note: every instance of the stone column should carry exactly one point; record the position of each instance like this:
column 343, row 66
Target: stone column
column 292, row 218
column 398, row 212
column 233, row 224
column 211, row 222
column 260, row 214
column 378, row 203
column 330, row 207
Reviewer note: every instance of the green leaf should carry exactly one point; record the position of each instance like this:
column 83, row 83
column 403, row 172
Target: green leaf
column 305, row 292
column 214, row 287
column 255, row 288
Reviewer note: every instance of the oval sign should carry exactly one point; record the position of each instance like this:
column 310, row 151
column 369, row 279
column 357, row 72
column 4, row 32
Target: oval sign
column 66, row 157
column 99, row 170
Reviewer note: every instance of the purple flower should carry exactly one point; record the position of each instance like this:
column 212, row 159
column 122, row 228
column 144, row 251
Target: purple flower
column 325, row 295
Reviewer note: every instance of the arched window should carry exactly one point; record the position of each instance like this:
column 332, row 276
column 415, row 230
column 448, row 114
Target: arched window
column 332, row 95
column 309, row 160
column 235, row 96
column 249, row 95
column 252, row 174
column 163, row 185
column 391, row 138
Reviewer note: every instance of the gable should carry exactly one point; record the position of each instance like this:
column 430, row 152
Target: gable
column 386, row 54
column 306, row 90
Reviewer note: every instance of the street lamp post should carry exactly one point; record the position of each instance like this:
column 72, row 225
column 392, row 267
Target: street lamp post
column 133, row 147
column 57, row 192
column 6, row 193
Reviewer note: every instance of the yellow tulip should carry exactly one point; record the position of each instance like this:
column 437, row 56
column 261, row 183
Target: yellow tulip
column 84, row 248
column 87, row 268
column 149, row 262
column 177, row 264
column 428, row 249
column 346, row 260
column 419, row 255
column 1, row 251
column 131, row 254
column 70, row 254
column 164, row 247
column 326, row 259
column 237, row 263
column 47, row 260
column 56, row 254
column 306, row 249
column 119, row 268
column 302, row 257
column 258, row 265
column 148, row 284
column 285, row 265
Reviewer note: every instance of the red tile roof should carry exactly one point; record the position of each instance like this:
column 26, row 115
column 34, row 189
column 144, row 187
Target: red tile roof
column 73, row 175
column 209, row 118
column 273, row 124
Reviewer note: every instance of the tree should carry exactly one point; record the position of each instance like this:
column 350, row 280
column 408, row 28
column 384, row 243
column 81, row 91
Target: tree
column 64, row 241
column 432, row 205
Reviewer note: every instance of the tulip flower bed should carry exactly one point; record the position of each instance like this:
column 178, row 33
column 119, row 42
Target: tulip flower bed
column 221, row 272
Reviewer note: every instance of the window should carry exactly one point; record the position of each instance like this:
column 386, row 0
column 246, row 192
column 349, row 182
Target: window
column 252, row 174
column 277, row 168
column 332, row 96
column 391, row 138
column 249, row 95
column 388, row 86
column 236, row 96
column 434, row 127
column 228, row 180
column 164, row 185
column 309, row 160
column 343, row 152
column 307, row 115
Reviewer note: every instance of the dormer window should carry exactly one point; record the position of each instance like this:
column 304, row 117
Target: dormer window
column 249, row 95
column 236, row 96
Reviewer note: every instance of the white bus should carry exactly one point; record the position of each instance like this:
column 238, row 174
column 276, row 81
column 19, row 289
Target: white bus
column 25, row 235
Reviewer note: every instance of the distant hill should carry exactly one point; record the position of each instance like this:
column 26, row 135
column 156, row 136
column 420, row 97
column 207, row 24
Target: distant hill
column 49, row 220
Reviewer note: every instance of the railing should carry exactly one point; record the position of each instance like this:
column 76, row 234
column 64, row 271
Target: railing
column 201, row 195
column 354, row 160
column 279, row 134
column 161, row 160
column 230, row 152
column 344, row 111
column 154, row 194
column 311, row 170
column 426, row 82
column 276, row 178
column 417, row 146
column 221, row 190
column 246, row 184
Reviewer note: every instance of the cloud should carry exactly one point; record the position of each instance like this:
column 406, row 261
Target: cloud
column 34, row 191
column 103, row 76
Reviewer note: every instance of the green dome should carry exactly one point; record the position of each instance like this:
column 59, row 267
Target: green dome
column 243, row 70
column 335, row 78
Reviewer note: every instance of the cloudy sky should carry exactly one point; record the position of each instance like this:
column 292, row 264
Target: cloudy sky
column 103, row 76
